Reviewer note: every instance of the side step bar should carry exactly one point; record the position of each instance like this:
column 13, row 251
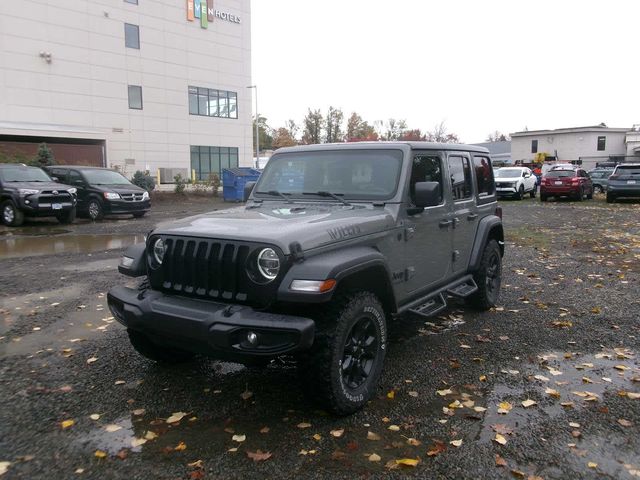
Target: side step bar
column 435, row 302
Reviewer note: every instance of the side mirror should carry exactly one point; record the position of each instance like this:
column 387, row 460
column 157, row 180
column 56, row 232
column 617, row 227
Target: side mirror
column 248, row 188
column 427, row 194
column 55, row 179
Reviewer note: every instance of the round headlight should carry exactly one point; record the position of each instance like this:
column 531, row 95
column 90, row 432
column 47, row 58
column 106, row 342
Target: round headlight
column 268, row 263
column 158, row 250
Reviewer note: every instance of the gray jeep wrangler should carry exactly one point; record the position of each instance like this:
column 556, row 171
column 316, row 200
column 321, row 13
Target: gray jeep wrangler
column 334, row 242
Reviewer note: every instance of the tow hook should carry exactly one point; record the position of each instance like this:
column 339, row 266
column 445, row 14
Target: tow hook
column 230, row 310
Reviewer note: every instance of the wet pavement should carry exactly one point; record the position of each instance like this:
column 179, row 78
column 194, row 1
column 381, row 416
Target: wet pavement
column 544, row 386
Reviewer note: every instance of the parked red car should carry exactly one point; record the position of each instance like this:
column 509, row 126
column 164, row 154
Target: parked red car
column 566, row 182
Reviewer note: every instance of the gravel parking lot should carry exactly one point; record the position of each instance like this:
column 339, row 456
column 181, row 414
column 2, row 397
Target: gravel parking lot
column 547, row 385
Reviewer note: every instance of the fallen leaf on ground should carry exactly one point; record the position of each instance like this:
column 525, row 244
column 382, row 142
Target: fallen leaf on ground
column 409, row 462
column 66, row 423
column 181, row 446
column 483, row 378
column 303, row 425
column 259, row 456
column 592, row 465
column 317, row 437
column 633, row 396
column 413, row 394
column 500, row 439
column 502, row 429
column 112, row 428
column 391, row 394
column 414, row 442
column 374, row 457
column 542, row 378
column 196, row 464
column 372, row 436
column 437, row 448
column 246, row 395
column 150, row 435
column 552, row 392
column 91, row 360
column 394, row 428
column 625, row 423
column 136, row 442
column 139, row 411
column 239, row 438
column 264, row 430
column 4, row 466
column 176, row 417
column 504, row 407
column 100, row 454
column 500, row 462
column 574, row 425
column 94, row 416
column 337, row 433
column 119, row 382
column 479, row 409
column 442, row 393
column 529, row 403
column 456, row 443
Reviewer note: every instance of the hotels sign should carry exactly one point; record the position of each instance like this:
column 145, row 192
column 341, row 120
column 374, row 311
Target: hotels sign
column 203, row 11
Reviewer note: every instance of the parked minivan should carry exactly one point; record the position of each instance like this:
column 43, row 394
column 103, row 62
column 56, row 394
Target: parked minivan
column 102, row 191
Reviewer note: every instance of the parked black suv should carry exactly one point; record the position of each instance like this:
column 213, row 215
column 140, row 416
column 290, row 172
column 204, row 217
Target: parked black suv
column 30, row 192
column 102, row 191
column 334, row 242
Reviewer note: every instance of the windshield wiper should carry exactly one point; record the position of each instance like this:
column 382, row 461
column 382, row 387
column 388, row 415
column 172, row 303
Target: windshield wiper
column 324, row 193
column 276, row 193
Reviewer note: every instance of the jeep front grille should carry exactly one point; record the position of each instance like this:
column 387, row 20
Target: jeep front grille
column 204, row 268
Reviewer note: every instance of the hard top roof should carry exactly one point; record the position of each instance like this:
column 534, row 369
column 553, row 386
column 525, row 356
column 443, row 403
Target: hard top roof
column 384, row 145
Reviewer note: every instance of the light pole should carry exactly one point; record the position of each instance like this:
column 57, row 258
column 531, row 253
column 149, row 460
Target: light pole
column 257, row 129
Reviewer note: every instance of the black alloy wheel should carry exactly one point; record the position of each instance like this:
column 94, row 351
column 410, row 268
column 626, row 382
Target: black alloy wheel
column 359, row 353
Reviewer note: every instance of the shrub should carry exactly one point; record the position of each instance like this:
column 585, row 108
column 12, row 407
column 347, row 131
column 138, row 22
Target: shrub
column 181, row 184
column 144, row 180
column 214, row 180
column 44, row 157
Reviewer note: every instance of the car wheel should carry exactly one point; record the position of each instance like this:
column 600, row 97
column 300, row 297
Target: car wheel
column 580, row 195
column 597, row 189
column 67, row 217
column 488, row 278
column 520, row 192
column 532, row 193
column 96, row 212
column 610, row 198
column 139, row 214
column 158, row 353
column 343, row 367
column 11, row 215
column 590, row 195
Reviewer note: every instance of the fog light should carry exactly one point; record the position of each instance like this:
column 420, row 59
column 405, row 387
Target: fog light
column 252, row 338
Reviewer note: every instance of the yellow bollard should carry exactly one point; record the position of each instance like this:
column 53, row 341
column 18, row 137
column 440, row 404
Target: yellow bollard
column 193, row 175
column 158, row 177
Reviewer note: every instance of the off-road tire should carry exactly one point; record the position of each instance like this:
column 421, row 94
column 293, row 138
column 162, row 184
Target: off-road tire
column 488, row 278
column 532, row 193
column 139, row 214
column 12, row 216
column 520, row 194
column 321, row 368
column 65, row 218
column 95, row 210
column 610, row 198
column 167, row 355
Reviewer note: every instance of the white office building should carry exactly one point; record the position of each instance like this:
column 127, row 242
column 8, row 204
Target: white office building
column 129, row 84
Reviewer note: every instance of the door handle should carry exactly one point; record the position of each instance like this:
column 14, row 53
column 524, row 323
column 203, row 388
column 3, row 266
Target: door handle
column 445, row 223
column 472, row 216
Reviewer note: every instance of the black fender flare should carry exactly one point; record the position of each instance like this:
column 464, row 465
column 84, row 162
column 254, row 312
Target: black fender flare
column 136, row 265
column 489, row 227
column 339, row 265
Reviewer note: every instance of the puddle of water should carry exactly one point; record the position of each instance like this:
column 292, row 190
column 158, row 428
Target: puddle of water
column 14, row 247
column 33, row 232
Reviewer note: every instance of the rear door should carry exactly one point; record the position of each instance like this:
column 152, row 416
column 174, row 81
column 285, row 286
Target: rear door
column 465, row 212
column 428, row 232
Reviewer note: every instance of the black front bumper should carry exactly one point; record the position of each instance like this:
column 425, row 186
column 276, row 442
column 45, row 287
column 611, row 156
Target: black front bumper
column 215, row 329
column 117, row 207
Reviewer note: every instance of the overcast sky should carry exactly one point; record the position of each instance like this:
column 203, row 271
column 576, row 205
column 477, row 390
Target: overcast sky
column 478, row 65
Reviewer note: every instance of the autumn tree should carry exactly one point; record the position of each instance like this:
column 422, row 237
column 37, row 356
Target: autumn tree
column 439, row 134
column 313, row 126
column 359, row 130
column 393, row 129
column 497, row 136
column 292, row 128
column 333, row 125
column 282, row 138
column 414, row 135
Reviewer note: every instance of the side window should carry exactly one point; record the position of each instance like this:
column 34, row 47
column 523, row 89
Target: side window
column 75, row 178
column 484, row 176
column 426, row 168
column 460, row 172
column 60, row 174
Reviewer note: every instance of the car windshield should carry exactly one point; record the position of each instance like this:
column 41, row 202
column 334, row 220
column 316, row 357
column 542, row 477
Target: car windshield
column 104, row 177
column 23, row 174
column 357, row 175
column 508, row 173
column 561, row 173
column 629, row 170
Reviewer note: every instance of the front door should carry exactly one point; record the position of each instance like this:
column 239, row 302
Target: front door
column 428, row 233
column 465, row 211
column 76, row 180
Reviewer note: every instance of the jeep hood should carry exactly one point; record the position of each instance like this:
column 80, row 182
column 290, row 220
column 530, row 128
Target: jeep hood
column 280, row 224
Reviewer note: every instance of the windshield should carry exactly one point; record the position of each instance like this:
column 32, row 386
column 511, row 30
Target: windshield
column 561, row 173
column 356, row 175
column 104, row 177
column 23, row 174
column 508, row 173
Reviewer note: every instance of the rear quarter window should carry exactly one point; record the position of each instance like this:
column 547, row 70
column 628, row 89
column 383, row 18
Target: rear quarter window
column 484, row 176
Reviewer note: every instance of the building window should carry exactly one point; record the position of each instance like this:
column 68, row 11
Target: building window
column 135, row 97
column 213, row 103
column 131, row 36
column 602, row 144
column 207, row 161
column 135, row 2
column 534, row 146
